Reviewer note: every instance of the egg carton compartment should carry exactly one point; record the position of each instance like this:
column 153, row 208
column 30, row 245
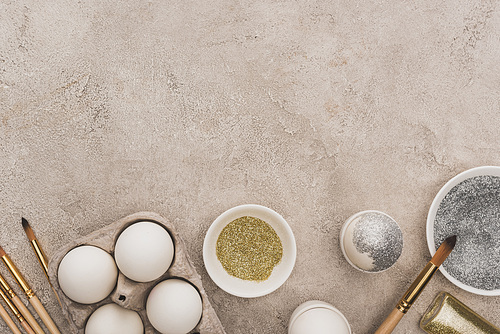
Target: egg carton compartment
column 127, row 293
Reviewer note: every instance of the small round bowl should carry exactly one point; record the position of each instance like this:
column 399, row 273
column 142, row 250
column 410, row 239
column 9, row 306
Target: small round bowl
column 239, row 287
column 478, row 171
column 371, row 241
column 317, row 316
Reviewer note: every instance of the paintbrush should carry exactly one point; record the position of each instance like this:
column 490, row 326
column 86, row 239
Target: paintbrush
column 42, row 259
column 33, row 299
column 5, row 316
column 17, row 314
column 20, row 306
column 418, row 285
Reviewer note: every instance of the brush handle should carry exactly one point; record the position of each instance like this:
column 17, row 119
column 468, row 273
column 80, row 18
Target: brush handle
column 27, row 328
column 57, row 296
column 5, row 316
column 47, row 320
column 390, row 322
column 27, row 315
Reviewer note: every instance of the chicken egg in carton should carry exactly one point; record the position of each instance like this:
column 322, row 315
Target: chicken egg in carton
column 138, row 278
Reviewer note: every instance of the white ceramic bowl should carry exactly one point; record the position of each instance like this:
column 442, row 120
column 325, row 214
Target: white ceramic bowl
column 319, row 317
column 237, row 286
column 478, row 171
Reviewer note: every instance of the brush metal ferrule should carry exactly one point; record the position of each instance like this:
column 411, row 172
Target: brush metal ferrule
column 40, row 255
column 6, row 287
column 416, row 288
column 17, row 275
column 11, row 306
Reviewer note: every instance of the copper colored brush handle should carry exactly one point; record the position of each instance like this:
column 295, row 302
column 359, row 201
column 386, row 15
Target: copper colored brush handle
column 47, row 320
column 27, row 327
column 27, row 315
column 5, row 316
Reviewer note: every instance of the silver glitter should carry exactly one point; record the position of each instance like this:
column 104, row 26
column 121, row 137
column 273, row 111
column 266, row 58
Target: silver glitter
column 471, row 211
column 380, row 237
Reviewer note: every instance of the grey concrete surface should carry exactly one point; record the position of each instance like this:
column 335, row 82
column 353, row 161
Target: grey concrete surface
column 316, row 109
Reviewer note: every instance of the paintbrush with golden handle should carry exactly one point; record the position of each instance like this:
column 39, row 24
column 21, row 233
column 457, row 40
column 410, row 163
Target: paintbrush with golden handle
column 418, row 285
column 23, row 310
column 42, row 259
column 32, row 298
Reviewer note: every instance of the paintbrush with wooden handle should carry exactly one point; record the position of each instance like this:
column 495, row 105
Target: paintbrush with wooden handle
column 40, row 254
column 418, row 285
column 17, row 314
column 23, row 310
column 32, row 298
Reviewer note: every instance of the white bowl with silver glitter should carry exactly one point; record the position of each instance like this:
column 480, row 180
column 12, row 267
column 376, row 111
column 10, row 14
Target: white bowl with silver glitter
column 247, row 288
column 468, row 206
column 371, row 241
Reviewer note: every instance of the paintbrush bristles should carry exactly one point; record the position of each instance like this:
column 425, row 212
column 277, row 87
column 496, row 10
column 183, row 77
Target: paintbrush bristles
column 444, row 250
column 28, row 230
column 2, row 252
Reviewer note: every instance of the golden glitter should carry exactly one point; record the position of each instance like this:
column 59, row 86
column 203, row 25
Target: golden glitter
column 447, row 315
column 249, row 248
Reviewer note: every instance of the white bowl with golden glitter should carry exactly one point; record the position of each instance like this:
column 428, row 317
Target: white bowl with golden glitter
column 244, row 287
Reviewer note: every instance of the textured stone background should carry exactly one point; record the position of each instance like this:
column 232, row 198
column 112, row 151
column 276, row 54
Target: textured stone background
column 317, row 109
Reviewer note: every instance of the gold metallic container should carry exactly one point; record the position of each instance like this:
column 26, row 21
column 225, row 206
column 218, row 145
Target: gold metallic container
column 447, row 315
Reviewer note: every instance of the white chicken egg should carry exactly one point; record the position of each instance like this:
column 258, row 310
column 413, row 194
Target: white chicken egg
column 113, row 319
column 144, row 251
column 174, row 307
column 87, row 274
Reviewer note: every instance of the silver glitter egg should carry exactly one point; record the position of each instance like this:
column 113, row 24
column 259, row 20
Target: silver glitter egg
column 371, row 241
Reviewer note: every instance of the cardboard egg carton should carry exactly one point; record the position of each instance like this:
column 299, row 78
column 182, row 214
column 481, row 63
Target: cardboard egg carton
column 127, row 293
